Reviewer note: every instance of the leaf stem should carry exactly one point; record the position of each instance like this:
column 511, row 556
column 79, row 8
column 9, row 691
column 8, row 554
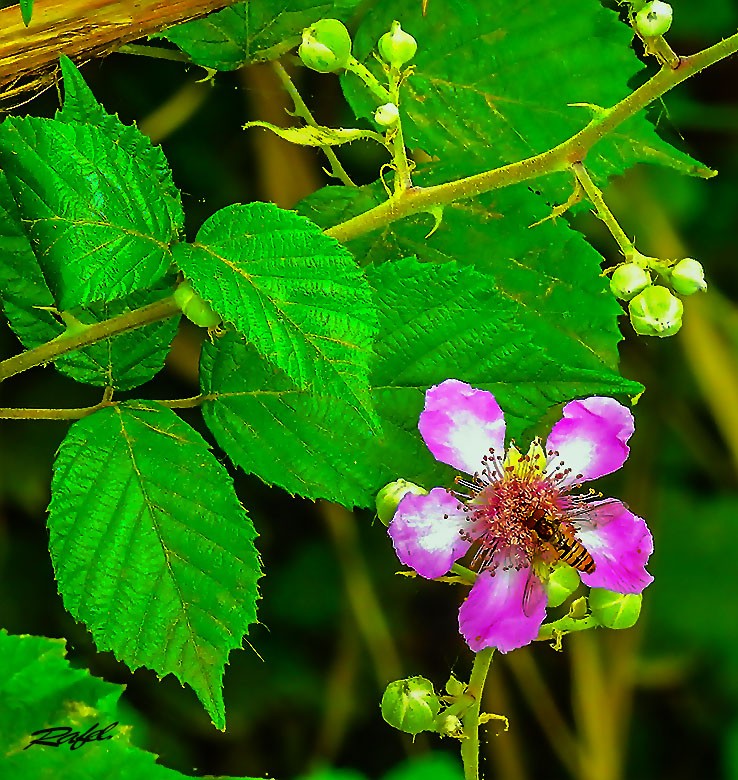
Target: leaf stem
column 594, row 193
column 304, row 112
column 156, row 52
column 85, row 411
column 420, row 199
column 565, row 625
column 90, row 334
column 399, row 152
column 470, row 720
column 659, row 47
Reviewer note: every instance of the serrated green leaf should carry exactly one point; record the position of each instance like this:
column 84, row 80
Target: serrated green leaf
column 40, row 689
column 252, row 31
column 549, row 270
column 124, row 362
column 436, row 322
column 95, row 215
column 298, row 440
column 318, row 136
column 151, row 548
column 493, row 83
column 81, row 107
column 26, row 9
column 294, row 293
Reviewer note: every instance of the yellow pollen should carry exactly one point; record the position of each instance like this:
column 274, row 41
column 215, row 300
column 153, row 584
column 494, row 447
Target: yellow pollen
column 529, row 466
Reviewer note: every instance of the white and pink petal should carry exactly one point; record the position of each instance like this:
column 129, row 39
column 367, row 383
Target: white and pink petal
column 431, row 532
column 461, row 424
column 590, row 440
column 620, row 545
column 505, row 609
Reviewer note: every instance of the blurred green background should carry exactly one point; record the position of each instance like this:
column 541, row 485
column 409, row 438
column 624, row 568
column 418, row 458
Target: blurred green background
column 657, row 701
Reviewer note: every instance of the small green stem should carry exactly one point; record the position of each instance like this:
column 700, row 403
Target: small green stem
column 91, row 334
column 86, row 411
column 563, row 626
column 660, row 49
column 403, row 180
column 465, row 574
column 603, row 211
column 470, row 720
column 379, row 92
column 157, row 52
column 304, row 112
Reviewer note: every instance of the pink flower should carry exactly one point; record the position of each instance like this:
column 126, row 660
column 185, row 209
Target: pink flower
column 521, row 513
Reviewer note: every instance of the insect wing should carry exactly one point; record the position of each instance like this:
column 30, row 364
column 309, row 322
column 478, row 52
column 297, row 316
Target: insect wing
column 533, row 586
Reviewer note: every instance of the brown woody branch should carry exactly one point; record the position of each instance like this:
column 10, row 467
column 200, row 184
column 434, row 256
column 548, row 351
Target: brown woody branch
column 81, row 29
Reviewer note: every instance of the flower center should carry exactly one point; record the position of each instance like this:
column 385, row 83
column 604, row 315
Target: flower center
column 524, row 513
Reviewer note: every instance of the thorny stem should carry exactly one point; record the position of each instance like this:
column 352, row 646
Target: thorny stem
column 421, row 199
column 603, row 211
column 470, row 720
column 90, row 334
column 304, row 112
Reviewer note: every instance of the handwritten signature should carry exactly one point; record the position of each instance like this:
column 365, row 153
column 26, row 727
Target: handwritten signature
column 57, row 736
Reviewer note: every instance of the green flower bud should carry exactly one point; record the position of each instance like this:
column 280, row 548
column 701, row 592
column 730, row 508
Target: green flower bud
column 688, row 276
column 411, row 705
column 562, row 582
column 628, row 280
column 656, row 312
column 397, row 47
column 195, row 308
column 615, row 610
column 654, row 19
column 326, row 46
column 455, row 687
column 450, row 726
column 390, row 496
column 387, row 115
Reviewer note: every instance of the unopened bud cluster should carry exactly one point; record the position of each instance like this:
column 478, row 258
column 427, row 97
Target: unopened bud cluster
column 326, row 46
column 654, row 309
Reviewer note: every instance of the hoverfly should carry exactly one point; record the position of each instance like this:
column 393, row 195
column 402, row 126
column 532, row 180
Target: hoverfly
column 561, row 537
